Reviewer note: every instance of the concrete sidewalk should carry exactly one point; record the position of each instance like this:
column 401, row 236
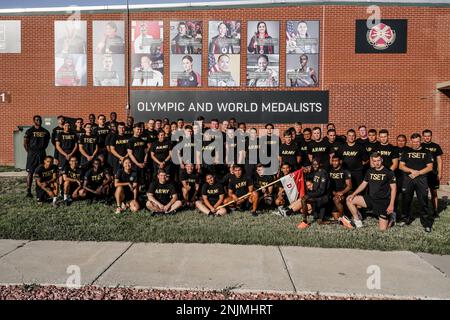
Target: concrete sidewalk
column 231, row 267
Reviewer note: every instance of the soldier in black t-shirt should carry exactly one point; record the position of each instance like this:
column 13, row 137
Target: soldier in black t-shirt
column 238, row 187
column 213, row 195
column 281, row 197
column 97, row 181
column 161, row 154
column 112, row 120
column 319, row 149
column 73, row 182
column 252, row 150
column 340, row 185
column 88, row 147
column 416, row 163
column 79, row 132
column 35, row 142
column 211, row 154
column 118, row 147
column 137, row 152
column 299, row 139
column 388, row 152
column 92, row 121
column 234, row 148
column 434, row 177
column 108, row 141
column 269, row 147
column 151, row 132
column 399, row 174
column 354, row 157
column 190, row 181
column 127, row 187
column 333, row 144
column 46, row 177
column 101, row 131
column 380, row 198
column 265, row 195
column 162, row 196
column 55, row 133
column 67, row 146
column 316, row 198
column 289, row 152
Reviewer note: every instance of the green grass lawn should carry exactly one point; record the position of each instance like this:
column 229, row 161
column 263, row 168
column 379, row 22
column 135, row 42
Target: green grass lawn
column 21, row 218
column 8, row 169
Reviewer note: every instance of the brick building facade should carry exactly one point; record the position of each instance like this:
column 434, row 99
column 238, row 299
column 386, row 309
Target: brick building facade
column 393, row 91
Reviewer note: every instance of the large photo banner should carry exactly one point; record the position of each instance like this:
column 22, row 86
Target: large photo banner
column 109, row 53
column 70, row 53
column 302, row 53
column 147, row 60
column 247, row 106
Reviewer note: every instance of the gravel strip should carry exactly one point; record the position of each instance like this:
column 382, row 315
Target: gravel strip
column 36, row 292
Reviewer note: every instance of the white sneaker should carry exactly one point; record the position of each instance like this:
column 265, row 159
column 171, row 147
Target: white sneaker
column 358, row 223
column 281, row 211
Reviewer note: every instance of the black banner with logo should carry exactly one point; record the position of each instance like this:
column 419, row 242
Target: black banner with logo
column 388, row 36
column 246, row 106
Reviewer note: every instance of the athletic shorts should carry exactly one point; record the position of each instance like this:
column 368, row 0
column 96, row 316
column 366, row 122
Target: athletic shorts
column 128, row 194
column 319, row 202
column 72, row 188
column 378, row 206
column 63, row 163
column 357, row 178
column 433, row 181
column 41, row 194
column 34, row 159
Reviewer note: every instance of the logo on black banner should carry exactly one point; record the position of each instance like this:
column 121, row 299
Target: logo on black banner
column 385, row 36
column 381, row 36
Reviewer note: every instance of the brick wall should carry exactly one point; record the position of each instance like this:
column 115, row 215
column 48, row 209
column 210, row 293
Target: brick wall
column 393, row 91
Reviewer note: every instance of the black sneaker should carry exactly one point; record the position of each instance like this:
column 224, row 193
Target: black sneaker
column 29, row 195
column 210, row 214
column 173, row 212
column 427, row 229
column 156, row 213
column 254, row 213
column 68, row 201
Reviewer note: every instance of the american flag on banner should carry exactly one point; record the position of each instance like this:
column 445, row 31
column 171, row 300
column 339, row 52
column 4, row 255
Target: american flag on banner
column 294, row 185
column 290, row 29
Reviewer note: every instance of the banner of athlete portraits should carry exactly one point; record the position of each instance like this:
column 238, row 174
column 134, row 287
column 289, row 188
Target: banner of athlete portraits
column 186, row 53
column 248, row 106
column 224, row 53
column 10, row 36
column 302, row 53
column 108, row 53
column 147, row 55
column 70, row 53
column 263, row 54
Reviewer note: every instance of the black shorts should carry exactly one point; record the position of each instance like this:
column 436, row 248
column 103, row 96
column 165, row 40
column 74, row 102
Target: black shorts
column 73, row 186
column 63, row 163
column 319, row 202
column 128, row 194
column 41, row 194
column 378, row 206
column 433, row 181
column 357, row 178
column 34, row 159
